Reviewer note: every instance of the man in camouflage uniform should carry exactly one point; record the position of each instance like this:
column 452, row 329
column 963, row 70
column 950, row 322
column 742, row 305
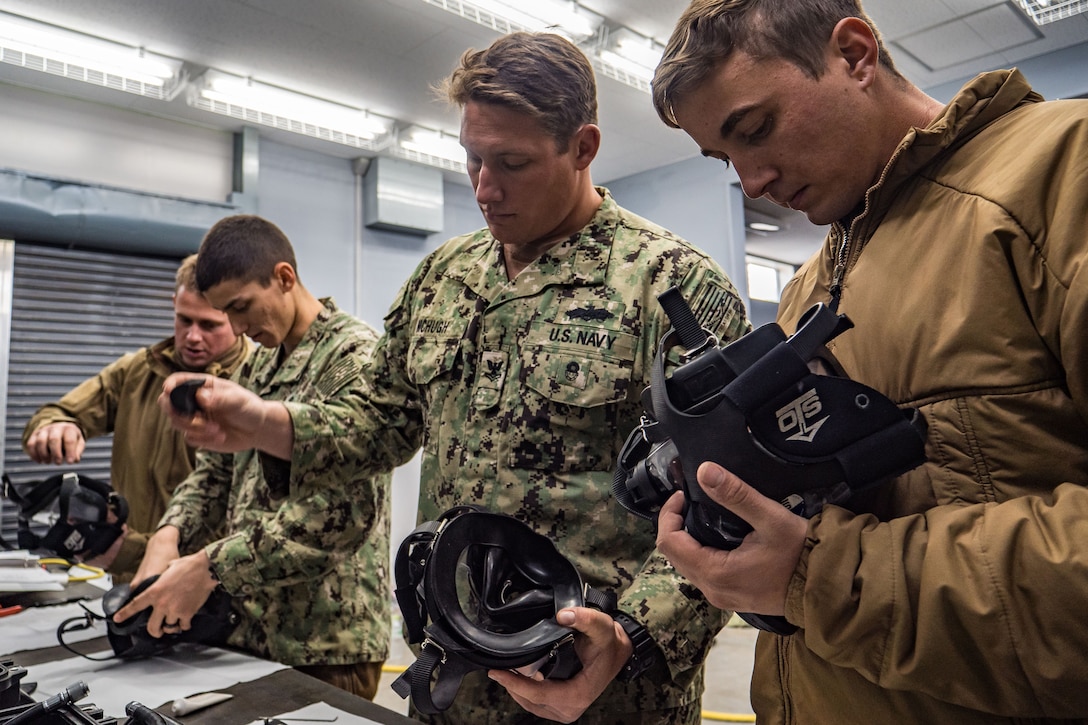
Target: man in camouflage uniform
column 515, row 357
column 306, row 544
column 148, row 458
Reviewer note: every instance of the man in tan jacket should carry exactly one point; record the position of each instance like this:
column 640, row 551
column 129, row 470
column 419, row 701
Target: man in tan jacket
column 149, row 458
column 957, row 247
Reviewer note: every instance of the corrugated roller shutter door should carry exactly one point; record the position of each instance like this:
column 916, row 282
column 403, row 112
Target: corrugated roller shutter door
column 73, row 312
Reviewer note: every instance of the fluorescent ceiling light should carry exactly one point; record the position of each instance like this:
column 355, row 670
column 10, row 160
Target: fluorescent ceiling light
column 268, row 105
column 436, row 143
column 629, row 58
column 431, row 147
column 763, row 227
column 559, row 16
column 50, row 49
column 1047, row 11
column 643, row 51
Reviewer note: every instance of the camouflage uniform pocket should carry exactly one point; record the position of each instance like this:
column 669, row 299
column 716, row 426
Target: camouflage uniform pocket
column 430, row 357
column 429, row 366
column 570, row 406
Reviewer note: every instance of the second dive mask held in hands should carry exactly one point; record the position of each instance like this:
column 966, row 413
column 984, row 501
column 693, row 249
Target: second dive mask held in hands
column 757, row 408
column 211, row 625
column 480, row 590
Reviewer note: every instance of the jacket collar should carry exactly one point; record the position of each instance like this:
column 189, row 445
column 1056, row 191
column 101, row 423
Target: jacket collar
column 983, row 100
column 293, row 367
column 163, row 357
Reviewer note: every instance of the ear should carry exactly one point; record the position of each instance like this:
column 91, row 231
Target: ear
column 284, row 275
column 585, row 144
column 853, row 42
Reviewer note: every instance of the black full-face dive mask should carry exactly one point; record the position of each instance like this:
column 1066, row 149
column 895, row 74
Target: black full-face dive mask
column 211, row 625
column 490, row 587
column 82, row 526
column 778, row 412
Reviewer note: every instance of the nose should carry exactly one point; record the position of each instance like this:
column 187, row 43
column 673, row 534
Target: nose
column 193, row 333
column 755, row 178
column 487, row 187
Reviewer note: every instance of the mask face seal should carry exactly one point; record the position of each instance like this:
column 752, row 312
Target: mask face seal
column 82, row 524
column 480, row 590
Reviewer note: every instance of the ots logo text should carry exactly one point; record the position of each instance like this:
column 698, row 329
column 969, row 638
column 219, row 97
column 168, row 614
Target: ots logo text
column 797, row 418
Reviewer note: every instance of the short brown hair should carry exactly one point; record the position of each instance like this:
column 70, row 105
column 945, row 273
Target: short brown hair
column 542, row 75
column 243, row 247
column 186, row 275
column 710, row 30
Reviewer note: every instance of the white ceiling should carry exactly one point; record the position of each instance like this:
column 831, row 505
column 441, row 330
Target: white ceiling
column 384, row 55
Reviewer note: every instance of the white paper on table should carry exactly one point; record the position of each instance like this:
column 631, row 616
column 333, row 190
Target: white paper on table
column 321, row 711
column 36, row 627
column 188, row 669
column 31, row 579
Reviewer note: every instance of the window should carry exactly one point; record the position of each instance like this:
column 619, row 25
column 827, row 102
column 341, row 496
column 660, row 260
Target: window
column 766, row 278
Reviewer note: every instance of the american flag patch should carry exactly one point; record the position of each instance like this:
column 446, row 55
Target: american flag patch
column 712, row 303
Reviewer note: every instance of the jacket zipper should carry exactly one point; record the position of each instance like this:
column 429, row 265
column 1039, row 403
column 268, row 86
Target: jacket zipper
column 840, row 270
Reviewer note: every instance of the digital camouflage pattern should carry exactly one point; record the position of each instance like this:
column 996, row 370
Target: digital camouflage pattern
column 521, row 394
column 306, row 546
column 149, row 457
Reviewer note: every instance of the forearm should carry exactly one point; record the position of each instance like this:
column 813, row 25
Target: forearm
column 682, row 623
column 277, row 432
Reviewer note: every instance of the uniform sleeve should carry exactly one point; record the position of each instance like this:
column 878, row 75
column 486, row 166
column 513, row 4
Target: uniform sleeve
column 389, row 428
column 684, row 626
column 303, row 539
column 92, row 405
column 324, row 502
column 978, row 605
column 198, row 507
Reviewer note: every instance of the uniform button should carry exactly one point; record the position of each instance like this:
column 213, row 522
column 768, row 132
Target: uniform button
column 247, row 588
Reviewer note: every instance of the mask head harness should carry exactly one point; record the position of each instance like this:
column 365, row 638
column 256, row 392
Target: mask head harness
column 82, row 525
column 480, row 590
column 212, row 624
column 778, row 412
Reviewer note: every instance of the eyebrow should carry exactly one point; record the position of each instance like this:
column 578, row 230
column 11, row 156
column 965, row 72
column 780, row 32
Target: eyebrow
column 730, row 125
column 232, row 305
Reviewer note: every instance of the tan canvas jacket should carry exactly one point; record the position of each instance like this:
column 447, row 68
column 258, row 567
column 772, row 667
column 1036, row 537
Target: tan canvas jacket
column 957, row 594
column 149, row 458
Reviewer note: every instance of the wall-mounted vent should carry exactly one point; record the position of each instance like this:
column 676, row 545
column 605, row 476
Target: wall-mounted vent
column 403, row 197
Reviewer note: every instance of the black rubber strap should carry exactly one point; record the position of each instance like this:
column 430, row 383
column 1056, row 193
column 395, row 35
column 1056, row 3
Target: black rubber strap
column 416, row 680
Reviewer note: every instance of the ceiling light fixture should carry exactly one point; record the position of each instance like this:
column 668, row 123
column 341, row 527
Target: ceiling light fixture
column 77, row 56
column 628, row 57
column 763, row 227
column 558, row 16
column 1047, row 11
column 431, row 147
column 261, row 103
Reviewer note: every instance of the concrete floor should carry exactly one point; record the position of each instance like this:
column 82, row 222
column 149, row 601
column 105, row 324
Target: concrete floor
column 729, row 670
